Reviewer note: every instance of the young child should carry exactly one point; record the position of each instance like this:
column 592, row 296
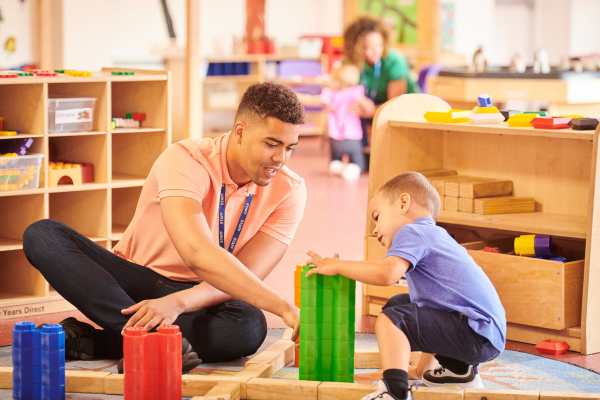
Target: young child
column 453, row 313
column 345, row 130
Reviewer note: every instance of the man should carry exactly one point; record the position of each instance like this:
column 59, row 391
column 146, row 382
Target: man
column 214, row 218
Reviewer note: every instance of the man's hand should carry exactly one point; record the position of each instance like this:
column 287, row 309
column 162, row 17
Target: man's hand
column 291, row 317
column 151, row 313
column 325, row 266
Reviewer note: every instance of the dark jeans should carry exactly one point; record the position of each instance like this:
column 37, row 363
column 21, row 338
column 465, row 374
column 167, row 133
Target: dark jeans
column 446, row 334
column 101, row 284
column 351, row 147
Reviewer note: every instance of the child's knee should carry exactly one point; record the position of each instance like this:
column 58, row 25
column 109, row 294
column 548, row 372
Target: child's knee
column 383, row 322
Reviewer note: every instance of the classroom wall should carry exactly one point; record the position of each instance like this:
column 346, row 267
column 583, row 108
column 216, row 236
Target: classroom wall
column 19, row 20
column 585, row 35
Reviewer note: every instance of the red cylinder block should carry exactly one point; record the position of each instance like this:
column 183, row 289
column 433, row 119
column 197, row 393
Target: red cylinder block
column 170, row 393
column 169, row 339
column 135, row 380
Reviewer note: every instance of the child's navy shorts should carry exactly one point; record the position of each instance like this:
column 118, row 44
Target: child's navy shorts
column 446, row 334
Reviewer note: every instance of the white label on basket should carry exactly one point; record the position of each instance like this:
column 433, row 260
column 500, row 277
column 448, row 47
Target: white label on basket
column 73, row 116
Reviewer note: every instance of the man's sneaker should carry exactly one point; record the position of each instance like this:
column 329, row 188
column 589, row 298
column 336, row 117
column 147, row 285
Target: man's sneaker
column 383, row 393
column 189, row 358
column 79, row 339
column 444, row 377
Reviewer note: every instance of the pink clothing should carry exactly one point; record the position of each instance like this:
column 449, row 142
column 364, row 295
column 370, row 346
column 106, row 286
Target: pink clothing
column 196, row 169
column 343, row 125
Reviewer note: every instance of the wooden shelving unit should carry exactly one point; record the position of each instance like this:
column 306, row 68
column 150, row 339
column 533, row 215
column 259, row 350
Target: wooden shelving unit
column 100, row 210
column 543, row 299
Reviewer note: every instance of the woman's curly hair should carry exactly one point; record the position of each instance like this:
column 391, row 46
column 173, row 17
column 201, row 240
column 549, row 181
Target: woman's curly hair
column 354, row 36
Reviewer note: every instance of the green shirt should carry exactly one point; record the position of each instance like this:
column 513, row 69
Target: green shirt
column 393, row 68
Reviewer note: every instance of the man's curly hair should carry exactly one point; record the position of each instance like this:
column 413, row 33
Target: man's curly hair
column 269, row 99
column 354, row 36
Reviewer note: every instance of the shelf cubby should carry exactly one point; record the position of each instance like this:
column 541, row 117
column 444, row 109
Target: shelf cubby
column 23, row 107
column 99, row 90
column 149, row 97
column 124, row 202
column 19, row 279
column 86, row 149
column 133, row 154
column 84, row 211
column 17, row 213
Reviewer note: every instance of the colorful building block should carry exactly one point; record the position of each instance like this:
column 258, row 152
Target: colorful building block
column 126, row 123
column 136, row 116
column 38, row 362
column 327, row 331
column 509, row 113
column 521, row 120
column 43, row 72
column 485, row 110
column 539, row 113
column 535, row 245
column 486, row 118
column 452, row 116
column 57, row 171
column 78, row 73
column 152, row 363
column 484, row 100
column 572, row 116
column 551, row 122
column 552, row 347
column 583, row 124
column 122, row 73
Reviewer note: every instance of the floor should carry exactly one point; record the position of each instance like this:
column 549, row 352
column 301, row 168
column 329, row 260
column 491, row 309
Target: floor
column 334, row 221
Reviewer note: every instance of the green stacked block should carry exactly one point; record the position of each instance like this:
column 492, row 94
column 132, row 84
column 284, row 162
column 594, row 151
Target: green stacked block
column 327, row 317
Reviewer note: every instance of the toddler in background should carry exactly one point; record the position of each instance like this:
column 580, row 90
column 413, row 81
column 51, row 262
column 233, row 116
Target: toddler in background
column 345, row 130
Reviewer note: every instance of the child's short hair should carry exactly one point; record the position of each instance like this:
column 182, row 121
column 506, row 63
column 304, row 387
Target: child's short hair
column 347, row 74
column 417, row 186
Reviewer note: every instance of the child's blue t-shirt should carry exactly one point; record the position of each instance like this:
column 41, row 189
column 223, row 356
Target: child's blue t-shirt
column 444, row 276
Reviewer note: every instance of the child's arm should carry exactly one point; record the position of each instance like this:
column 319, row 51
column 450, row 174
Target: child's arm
column 310, row 100
column 379, row 273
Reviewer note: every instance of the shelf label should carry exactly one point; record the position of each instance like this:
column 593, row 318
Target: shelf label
column 73, row 116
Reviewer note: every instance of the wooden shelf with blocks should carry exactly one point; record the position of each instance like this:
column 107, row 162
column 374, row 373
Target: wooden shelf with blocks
column 100, row 210
column 543, row 299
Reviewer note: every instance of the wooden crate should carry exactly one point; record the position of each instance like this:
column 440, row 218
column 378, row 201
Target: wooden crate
column 100, row 210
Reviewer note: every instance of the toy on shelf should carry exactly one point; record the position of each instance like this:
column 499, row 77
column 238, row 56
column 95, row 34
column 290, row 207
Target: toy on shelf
column 9, row 133
column 43, row 72
column 78, row 173
column 38, row 362
column 552, row 347
column 551, row 122
column 571, row 116
column 327, row 319
column 77, row 73
column 535, row 245
column 152, row 363
column 484, row 100
column 583, row 124
column 452, row 116
column 539, row 113
column 122, row 73
column 485, row 115
column 521, row 120
column 131, row 120
column 18, row 146
column 19, row 172
column 509, row 113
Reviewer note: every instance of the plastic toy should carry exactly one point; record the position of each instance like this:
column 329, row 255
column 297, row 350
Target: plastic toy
column 551, row 122
column 43, row 72
column 583, row 124
column 122, row 73
column 77, row 73
column 38, row 362
column 535, row 245
column 539, row 113
column 17, row 146
column 136, row 116
column 491, row 250
column 8, row 133
column 57, row 171
column 452, row 116
column 8, row 74
column 572, row 116
column 297, row 286
column 13, row 175
column 125, row 123
column 327, row 319
column 521, row 120
column 484, row 100
column 152, row 363
column 509, row 113
column 486, row 117
column 552, row 347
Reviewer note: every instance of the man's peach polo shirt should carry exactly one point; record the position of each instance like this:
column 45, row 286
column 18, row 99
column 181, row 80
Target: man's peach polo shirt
column 196, row 169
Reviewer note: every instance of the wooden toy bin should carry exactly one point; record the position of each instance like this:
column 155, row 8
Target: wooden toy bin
column 558, row 168
column 100, row 210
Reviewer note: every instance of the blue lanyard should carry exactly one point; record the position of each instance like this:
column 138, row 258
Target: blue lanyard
column 376, row 72
column 240, row 224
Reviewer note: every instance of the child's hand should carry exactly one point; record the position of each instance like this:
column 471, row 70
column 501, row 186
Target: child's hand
column 324, row 266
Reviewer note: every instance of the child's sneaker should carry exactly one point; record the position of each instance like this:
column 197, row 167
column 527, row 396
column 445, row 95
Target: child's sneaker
column 351, row 171
column 383, row 393
column 336, row 167
column 444, row 377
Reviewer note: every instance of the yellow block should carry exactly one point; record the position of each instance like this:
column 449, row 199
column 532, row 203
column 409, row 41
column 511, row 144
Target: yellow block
column 572, row 116
column 521, row 120
column 448, row 117
column 485, row 110
column 525, row 245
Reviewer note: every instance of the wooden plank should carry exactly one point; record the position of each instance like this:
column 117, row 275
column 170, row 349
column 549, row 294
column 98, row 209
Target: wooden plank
column 113, row 384
column 427, row 393
column 438, row 184
column 287, row 334
column 574, row 273
column 568, row 396
column 436, row 173
column 465, row 205
column 370, row 358
column 279, row 354
column 504, row 205
column 280, row 389
column 346, row 391
column 85, row 381
column 501, row 394
column 222, row 391
column 200, row 385
column 6, row 377
column 487, row 188
column 450, row 203
column 533, row 335
column 256, row 371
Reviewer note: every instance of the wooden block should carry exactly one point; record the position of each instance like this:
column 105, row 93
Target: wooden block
column 346, row 391
column 447, row 393
column 568, row 396
column 287, row 334
column 200, row 385
column 438, row 173
column 450, row 203
column 279, row 354
column 281, row 389
column 370, row 358
column 222, row 391
column 493, row 187
column 85, row 381
column 113, row 384
column 504, row 205
column 465, row 204
column 256, row 371
column 438, row 184
column 451, row 185
column 6, row 378
column 500, row 394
